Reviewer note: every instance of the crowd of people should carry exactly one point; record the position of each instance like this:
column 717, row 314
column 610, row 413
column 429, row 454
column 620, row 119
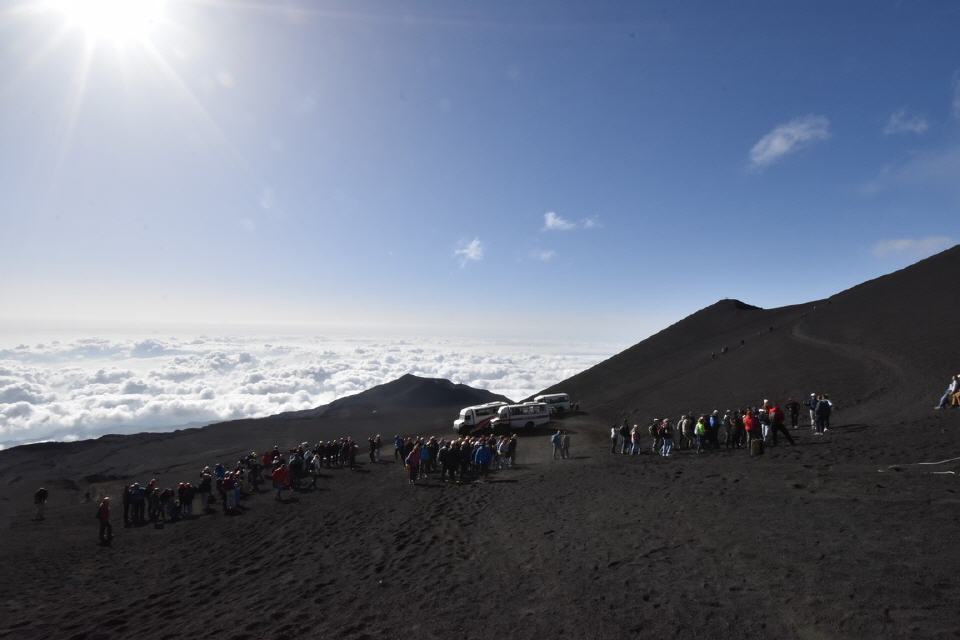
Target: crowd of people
column 458, row 460
column 298, row 469
column 734, row 429
column 295, row 470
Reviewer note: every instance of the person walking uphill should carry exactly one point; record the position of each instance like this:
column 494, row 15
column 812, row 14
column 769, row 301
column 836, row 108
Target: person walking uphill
column 103, row 516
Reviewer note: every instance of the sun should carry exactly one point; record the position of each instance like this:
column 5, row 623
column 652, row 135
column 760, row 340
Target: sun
column 119, row 21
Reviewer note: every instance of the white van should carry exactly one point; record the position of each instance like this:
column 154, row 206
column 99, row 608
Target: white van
column 527, row 415
column 476, row 417
column 558, row 402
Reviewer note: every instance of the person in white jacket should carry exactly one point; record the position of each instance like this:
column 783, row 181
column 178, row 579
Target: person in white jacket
column 952, row 388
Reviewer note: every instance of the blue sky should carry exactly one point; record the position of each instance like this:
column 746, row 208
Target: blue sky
column 379, row 163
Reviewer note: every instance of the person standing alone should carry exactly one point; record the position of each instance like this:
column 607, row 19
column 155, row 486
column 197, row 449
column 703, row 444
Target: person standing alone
column 39, row 501
column 103, row 516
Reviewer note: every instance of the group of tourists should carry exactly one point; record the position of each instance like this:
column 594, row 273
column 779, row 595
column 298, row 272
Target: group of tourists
column 295, row 470
column 298, row 469
column 734, row 429
column 458, row 460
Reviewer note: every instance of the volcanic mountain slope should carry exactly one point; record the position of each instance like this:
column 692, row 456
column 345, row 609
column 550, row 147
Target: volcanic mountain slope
column 882, row 350
column 836, row 537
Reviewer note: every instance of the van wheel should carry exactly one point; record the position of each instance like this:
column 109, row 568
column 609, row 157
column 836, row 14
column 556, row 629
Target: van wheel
column 529, row 425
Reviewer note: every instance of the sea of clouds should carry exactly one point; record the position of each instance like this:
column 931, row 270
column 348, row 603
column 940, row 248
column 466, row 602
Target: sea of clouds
column 85, row 387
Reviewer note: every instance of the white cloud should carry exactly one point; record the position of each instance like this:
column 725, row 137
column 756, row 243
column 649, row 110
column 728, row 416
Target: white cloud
column 913, row 248
column 469, row 252
column 54, row 391
column 544, row 255
column 903, row 122
column 788, row 138
column 553, row 221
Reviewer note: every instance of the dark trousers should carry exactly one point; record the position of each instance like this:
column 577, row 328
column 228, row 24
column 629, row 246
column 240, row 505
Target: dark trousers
column 778, row 427
column 794, row 420
column 106, row 531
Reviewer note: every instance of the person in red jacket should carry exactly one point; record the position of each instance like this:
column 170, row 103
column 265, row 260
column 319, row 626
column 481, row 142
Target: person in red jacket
column 281, row 479
column 777, row 424
column 752, row 426
column 103, row 516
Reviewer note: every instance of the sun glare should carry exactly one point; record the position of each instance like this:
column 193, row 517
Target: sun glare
column 116, row 20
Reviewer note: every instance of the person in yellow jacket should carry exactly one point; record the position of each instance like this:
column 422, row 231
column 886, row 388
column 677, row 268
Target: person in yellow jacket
column 700, row 432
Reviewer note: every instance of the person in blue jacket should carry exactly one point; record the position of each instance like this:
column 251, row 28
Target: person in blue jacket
column 482, row 458
column 556, row 440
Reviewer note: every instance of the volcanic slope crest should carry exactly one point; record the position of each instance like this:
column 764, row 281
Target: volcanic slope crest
column 882, row 350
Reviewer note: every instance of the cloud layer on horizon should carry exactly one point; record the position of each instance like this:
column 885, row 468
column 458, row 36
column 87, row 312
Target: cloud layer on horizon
column 88, row 387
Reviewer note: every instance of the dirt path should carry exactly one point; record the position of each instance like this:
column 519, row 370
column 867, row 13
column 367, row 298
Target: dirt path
column 851, row 351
